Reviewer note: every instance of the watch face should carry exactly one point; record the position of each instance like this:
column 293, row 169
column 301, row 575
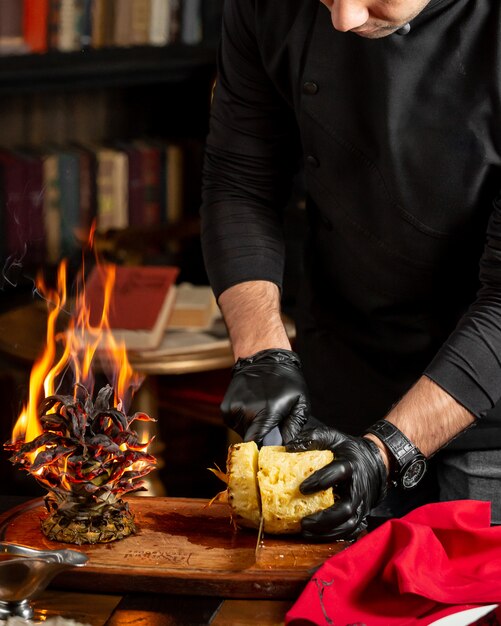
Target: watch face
column 413, row 473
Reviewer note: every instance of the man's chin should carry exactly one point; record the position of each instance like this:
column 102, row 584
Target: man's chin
column 376, row 33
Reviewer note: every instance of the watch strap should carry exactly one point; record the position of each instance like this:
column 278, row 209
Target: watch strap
column 381, row 469
column 402, row 450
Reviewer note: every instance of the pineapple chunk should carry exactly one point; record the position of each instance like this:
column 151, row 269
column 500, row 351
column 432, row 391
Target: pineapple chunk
column 280, row 474
column 268, row 480
column 243, row 490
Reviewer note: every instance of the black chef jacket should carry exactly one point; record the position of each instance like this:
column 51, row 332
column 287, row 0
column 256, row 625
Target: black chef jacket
column 400, row 139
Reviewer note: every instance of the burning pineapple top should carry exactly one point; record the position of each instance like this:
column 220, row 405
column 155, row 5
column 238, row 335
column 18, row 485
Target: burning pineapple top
column 85, row 447
column 70, row 443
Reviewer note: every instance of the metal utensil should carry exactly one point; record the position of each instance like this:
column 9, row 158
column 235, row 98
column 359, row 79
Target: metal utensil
column 25, row 572
column 273, row 438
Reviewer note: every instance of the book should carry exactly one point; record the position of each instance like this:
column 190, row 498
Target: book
column 70, row 24
column 11, row 193
column 195, row 308
column 87, row 191
column 191, row 22
column 141, row 301
column 151, row 173
column 122, row 35
column 174, row 182
column 159, row 23
column 112, row 189
column 52, row 207
column 140, row 34
column 175, row 21
column 35, row 25
column 21, row 206
column 32, row 205
column 86, row 24
column 11, row 27
column 178, row 343
column 135, row 186
column 69, row 185
column 54, row 24
column 103, row 23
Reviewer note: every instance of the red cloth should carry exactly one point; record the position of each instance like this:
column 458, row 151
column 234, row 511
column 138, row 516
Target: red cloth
column 409, row 571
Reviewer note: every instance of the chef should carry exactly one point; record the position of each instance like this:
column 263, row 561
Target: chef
column 393, row 109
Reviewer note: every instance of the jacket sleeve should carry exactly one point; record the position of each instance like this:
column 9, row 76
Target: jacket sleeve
column 250, row 157
column 468, row 366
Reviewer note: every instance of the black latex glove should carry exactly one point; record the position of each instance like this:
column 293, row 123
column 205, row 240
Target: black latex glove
column 267, row 390
column 357, row 474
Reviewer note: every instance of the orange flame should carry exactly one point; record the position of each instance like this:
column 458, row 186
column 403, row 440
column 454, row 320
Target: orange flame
column 81, row 343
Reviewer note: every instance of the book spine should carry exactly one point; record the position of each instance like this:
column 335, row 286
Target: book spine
column 174, row 174
column 67, row 20
column 112, row 194
column 54, row 24
column 11, row 27
column 87, row 190
column 136, row 187
column 109, row 22
column 123, row 23
column 100, row 13
column 36, row 13
column 159, row 23
column 174, row 20
column 12, row 192
column 79, row 24
column 86, row 26
column 52, row 208
column 105, row 217
column 69, row 184
column 140, row 22
column 120, row 188
column 32, row 201
column 191, row 22
column 151, row 173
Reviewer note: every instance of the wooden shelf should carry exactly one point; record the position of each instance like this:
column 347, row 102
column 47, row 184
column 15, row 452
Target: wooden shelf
column 105, row 67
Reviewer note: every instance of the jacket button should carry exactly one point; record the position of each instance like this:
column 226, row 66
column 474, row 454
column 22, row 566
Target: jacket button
column 310, row 88
column 312, row 161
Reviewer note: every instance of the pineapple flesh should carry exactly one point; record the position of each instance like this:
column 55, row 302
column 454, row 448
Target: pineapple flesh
column 266, row 482
column 243, row 488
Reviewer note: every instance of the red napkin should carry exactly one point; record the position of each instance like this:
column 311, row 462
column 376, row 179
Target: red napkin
column 439, row 559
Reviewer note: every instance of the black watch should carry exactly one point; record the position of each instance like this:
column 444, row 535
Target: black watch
column 407, row 463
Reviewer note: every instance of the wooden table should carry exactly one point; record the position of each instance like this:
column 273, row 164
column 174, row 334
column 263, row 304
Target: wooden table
column 155, row 610
column 148, row 609
column 23, row 338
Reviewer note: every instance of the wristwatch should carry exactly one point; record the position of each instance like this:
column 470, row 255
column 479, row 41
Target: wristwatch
column 407, row 463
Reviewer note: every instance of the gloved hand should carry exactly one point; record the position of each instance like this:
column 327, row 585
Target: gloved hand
column 267, row 389
column 357, row 474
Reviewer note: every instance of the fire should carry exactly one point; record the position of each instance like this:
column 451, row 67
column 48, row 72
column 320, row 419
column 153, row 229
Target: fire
column 81, row 345
column 55, row 433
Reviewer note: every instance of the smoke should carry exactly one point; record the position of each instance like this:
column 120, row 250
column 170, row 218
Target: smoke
column 12, row 271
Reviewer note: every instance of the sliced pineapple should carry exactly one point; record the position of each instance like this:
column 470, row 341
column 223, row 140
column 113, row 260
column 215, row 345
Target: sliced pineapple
column 267, row 481
column 243, row 488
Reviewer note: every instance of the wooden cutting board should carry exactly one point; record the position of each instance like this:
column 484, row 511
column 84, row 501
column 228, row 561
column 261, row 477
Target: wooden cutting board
column 182, row 546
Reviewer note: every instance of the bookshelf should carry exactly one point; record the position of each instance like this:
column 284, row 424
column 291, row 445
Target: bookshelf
column 109, row 67
column 104, row 107
column 112, row 96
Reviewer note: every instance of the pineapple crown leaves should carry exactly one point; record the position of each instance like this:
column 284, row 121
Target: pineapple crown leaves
column 86, row 447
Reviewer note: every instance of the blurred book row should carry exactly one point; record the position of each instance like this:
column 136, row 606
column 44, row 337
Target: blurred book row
column 49, row 198
column 39, row 26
